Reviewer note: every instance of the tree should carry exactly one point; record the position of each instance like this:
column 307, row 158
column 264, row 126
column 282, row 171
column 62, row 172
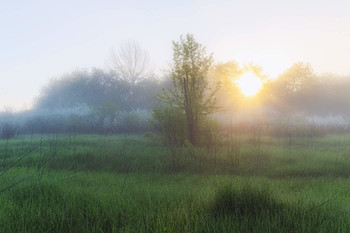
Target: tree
column 230, row 97
column 97, row 87
column 190, row 92
column 296, row 79
column 130, row 62
column 294, row 89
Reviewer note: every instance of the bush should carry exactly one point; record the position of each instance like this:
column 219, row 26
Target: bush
column 8, row 130
column 171, row 123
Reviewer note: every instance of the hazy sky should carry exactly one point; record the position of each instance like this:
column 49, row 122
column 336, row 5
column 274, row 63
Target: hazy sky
column 45, row 39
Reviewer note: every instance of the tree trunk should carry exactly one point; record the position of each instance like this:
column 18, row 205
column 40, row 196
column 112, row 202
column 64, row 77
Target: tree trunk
column 189, row 115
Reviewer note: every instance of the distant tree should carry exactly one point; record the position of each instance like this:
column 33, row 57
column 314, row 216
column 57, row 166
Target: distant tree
column 130, row 62
column 98, row 87
column 191, row 92
column 230, row 97
column 8, row 130
column 79, row 87
column 294, row 89
column 227, row 75
column 106, row 114
column 296, row 79
column 144, row 93
column 333, row 95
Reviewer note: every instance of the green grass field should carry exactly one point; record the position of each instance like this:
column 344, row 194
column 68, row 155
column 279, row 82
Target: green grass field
column 134, row 184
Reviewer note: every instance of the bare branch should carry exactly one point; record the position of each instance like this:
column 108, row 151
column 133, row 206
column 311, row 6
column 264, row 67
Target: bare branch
column 130, row 61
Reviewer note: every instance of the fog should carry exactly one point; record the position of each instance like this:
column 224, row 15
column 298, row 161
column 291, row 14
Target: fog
column 45, row 40
column 175, row 116
column 110, row 100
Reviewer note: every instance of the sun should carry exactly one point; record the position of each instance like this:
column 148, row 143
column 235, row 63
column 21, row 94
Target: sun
column 249, row 84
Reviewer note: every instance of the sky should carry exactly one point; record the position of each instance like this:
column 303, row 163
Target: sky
column 41, row 40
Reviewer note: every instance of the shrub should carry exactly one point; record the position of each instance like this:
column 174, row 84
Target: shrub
column 8, row 130
column 171, row 123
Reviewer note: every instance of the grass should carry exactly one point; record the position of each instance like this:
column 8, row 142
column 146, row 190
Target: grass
column 133, row 184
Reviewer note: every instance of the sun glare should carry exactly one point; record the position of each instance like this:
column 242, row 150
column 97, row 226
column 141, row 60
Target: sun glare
column 250, row 84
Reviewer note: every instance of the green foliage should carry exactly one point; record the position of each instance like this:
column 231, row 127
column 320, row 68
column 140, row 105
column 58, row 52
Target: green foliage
column 98, row 87
column 210, row 133
column 191, row 91
column 106, row 114
column 171, row 122
column 296, row 79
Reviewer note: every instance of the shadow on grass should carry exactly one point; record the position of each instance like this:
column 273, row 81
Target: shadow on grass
column 249, row 209
column 245, row 202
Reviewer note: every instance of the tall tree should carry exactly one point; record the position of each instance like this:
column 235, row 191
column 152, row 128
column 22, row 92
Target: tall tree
column 297, row 78
column 191, row 91
column 295, row 88
column 130, row 62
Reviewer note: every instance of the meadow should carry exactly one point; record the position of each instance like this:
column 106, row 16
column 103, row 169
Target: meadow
column 132, row 183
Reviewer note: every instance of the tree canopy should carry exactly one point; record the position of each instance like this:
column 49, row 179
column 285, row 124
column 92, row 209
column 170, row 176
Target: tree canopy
column 190, row 92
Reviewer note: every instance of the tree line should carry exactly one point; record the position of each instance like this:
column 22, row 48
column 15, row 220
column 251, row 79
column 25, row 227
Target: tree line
column 183, row 103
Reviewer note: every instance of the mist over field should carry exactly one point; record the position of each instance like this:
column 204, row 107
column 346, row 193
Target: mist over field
column 106, row 100
column 194, row 116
